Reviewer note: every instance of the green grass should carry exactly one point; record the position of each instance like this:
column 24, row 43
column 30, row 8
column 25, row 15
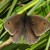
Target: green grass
column 34, row 7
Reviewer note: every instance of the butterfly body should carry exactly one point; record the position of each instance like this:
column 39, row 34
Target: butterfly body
column 31, row 27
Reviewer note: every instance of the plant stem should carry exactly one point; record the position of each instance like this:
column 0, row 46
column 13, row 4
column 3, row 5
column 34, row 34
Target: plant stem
column 35, row 7
column 7, row 42
column 2, row 5
column 3, row 34
column 48, row 43
column 47, row 2
column 38, row 44
column 11, row 8
column 27, row 6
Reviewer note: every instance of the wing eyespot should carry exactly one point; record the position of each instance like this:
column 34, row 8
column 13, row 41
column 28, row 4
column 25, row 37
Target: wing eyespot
column 8, row 23
column 44, row 23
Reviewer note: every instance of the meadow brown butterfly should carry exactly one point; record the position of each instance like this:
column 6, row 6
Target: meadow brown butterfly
column 31, row 27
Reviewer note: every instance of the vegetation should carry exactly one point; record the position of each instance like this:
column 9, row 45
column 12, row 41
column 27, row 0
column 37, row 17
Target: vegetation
column 32, row 7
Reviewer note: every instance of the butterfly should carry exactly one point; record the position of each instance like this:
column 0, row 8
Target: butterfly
column 31, row 27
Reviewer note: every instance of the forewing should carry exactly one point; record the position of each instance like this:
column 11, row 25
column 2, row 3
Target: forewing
column 39, row 25
column 14, row 24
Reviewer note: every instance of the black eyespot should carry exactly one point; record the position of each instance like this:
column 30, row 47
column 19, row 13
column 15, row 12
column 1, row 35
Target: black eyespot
column 8, row 22
column 44, row 23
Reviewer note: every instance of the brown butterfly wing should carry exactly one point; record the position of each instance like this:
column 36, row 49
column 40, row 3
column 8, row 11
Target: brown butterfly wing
column 14, row 24
column 17, row 36
column 30, row 36
column 39, row 25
